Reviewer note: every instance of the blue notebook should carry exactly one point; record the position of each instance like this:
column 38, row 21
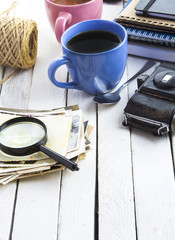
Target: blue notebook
column 151, row 51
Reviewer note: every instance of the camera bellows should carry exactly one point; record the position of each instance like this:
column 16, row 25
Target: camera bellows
column 18, row 42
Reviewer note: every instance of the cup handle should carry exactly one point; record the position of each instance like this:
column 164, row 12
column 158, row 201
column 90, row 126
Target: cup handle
column 52, row 70
column 60, row 24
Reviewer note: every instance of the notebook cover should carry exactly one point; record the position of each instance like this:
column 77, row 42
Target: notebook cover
column 128, row 17
column 156, row 7
column 151, row 51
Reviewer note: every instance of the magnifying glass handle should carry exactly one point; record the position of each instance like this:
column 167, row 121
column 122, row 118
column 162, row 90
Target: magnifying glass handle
column 57, row 157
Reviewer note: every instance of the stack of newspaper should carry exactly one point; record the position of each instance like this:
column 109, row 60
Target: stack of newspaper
column 68, row 135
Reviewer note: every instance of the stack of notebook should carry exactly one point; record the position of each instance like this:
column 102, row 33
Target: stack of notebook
column 68, row 135
column 151, row 28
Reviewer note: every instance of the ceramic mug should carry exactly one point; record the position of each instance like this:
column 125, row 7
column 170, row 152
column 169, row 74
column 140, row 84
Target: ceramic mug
column 92, row 73
column 62, row 17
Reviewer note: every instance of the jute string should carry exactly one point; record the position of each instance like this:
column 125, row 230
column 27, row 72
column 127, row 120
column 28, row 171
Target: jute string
column 18, row 42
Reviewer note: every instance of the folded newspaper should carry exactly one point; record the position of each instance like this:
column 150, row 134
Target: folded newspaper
column 68, row 135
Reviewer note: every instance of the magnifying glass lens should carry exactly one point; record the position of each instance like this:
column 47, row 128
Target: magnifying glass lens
column 22, row 134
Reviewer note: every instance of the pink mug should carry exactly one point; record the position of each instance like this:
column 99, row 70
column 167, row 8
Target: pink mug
column 62, row 17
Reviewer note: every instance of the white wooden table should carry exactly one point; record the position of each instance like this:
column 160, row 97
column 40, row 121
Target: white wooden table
column 125, row 188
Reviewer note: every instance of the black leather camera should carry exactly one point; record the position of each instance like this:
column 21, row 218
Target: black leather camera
column 152, row 107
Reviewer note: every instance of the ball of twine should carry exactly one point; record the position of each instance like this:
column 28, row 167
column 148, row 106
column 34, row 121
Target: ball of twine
column 18, row 42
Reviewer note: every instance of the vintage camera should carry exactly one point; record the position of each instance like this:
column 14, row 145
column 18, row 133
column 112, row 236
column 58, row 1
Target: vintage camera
column 152, row 107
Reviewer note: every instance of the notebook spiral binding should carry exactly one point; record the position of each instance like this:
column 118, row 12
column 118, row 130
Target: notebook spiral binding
column 151, row 36
column 149, row 22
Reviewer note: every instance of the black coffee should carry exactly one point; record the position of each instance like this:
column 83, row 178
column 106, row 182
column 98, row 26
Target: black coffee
column 93, row 42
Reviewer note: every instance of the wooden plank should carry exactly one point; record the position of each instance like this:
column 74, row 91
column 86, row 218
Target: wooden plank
column 153, row 179
column 1, row 77
column 37, row 208
column 7, row 202
column 10, row 97
column 77, row 204
column 111, row 9
column 37, row 204
column 15, row 91
column 116, row 204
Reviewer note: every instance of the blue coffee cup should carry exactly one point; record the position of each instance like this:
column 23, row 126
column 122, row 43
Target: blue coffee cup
column 93, row 73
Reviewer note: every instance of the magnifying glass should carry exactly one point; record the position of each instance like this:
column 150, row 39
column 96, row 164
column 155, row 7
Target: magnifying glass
column 23, row 136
